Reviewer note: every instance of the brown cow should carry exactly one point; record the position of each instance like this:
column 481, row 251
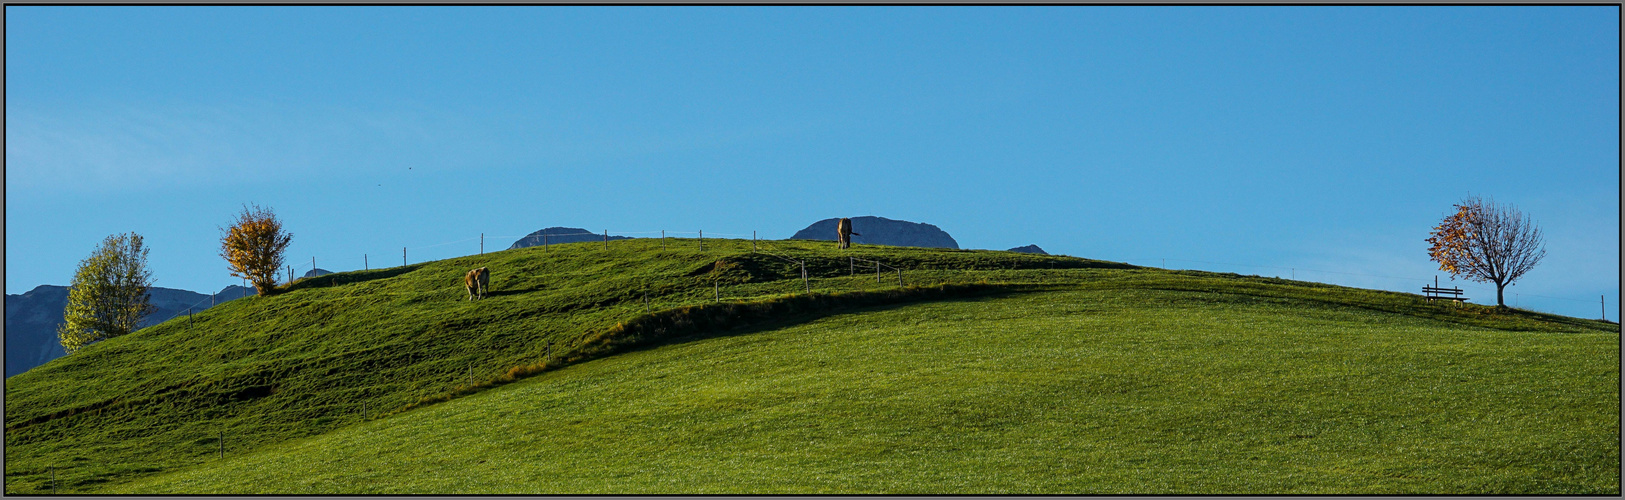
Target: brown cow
column 478, row 282
column 844, row 228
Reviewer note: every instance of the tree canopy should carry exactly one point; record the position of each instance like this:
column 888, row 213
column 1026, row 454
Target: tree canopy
column 109, row 293
column 254, row 247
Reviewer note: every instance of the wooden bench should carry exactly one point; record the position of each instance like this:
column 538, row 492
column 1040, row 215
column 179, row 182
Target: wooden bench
column 1433, row 292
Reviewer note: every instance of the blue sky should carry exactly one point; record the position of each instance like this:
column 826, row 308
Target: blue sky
column 1320, row 142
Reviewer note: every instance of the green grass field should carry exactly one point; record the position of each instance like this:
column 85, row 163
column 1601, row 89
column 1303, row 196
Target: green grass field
column 1039, row 375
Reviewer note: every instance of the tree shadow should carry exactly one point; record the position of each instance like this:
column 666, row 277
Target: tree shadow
column 349, row 277
column 749, row 327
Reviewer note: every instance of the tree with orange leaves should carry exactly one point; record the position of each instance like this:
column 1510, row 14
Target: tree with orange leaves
column 1486, row 242
column 253, row 248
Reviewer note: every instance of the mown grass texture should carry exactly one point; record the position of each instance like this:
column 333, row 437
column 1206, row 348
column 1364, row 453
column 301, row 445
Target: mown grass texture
column 347, row 347
column 340, row 349
column 1072, row 391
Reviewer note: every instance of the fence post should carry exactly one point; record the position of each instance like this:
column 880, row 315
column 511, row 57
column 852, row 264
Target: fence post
column 662, row 239
column 753, row 241
column 804, row 281
column 189, row 317
column 403, row 256
column 716, row 292
column 544, row 242
column 606, row 239
column 899, row 278
column 1603, row 299
column 222, row 444
column 877, row 271
column 482, row 243
column 852, row 265
column 364, row 266
column 702, row 240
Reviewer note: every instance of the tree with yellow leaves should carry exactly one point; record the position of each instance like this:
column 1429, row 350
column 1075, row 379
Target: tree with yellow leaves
column 1486, row 242
column 253, row 248
column 108, row 295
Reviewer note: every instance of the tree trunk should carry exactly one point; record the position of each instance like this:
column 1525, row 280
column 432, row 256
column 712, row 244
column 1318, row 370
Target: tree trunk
column 1500, row 298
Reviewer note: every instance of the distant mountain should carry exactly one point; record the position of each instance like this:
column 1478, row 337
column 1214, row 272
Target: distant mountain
column 881, row 231
column 32, row 318
column 1029, row 249
column 316, row 272
column 556, row 235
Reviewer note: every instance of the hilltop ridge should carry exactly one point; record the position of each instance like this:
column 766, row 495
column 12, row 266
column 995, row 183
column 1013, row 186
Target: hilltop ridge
column 346, row 348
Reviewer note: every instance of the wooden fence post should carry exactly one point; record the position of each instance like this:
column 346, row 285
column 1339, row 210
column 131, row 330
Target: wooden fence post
column 403, row 256
column 899, row 278
column 662, row 239
column 702, row 240
column 804, row 281
column 877, row 271
column 482, row 243
column 753, row 241
column 364, row 266
column 716, row 292
column 852, row 265
column 606, row 239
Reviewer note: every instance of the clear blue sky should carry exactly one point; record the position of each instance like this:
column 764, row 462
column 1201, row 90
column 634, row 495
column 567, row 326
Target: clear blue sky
column 1318, row 140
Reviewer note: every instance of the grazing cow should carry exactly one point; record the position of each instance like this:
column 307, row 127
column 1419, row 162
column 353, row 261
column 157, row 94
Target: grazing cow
column 478, row 282
column 844, row 228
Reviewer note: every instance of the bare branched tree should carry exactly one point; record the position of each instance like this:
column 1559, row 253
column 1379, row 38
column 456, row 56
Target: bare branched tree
column 1486, row 242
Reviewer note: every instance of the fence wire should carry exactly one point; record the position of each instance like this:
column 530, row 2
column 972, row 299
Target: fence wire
column 294, row 272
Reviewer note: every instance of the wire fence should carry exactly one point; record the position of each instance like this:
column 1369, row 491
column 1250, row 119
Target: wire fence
column 1485, row 291
column 427, row 252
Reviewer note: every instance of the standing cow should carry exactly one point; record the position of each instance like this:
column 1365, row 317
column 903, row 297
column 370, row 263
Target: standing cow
column 477, row 282
column 844, row 228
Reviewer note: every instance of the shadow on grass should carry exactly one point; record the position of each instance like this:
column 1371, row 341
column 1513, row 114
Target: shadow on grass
column 1408, row 304
column 726, row 319
column 754, row 327
column 348, row 277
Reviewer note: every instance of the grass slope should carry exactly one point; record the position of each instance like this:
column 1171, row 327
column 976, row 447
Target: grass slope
column 1082, row 391
column 279, row 375
column 341, row 348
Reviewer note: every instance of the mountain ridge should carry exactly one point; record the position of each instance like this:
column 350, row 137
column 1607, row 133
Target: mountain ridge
column 32, row 318
column 873, row 230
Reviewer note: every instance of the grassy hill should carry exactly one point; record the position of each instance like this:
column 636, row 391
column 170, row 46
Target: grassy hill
column 1028, row 373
